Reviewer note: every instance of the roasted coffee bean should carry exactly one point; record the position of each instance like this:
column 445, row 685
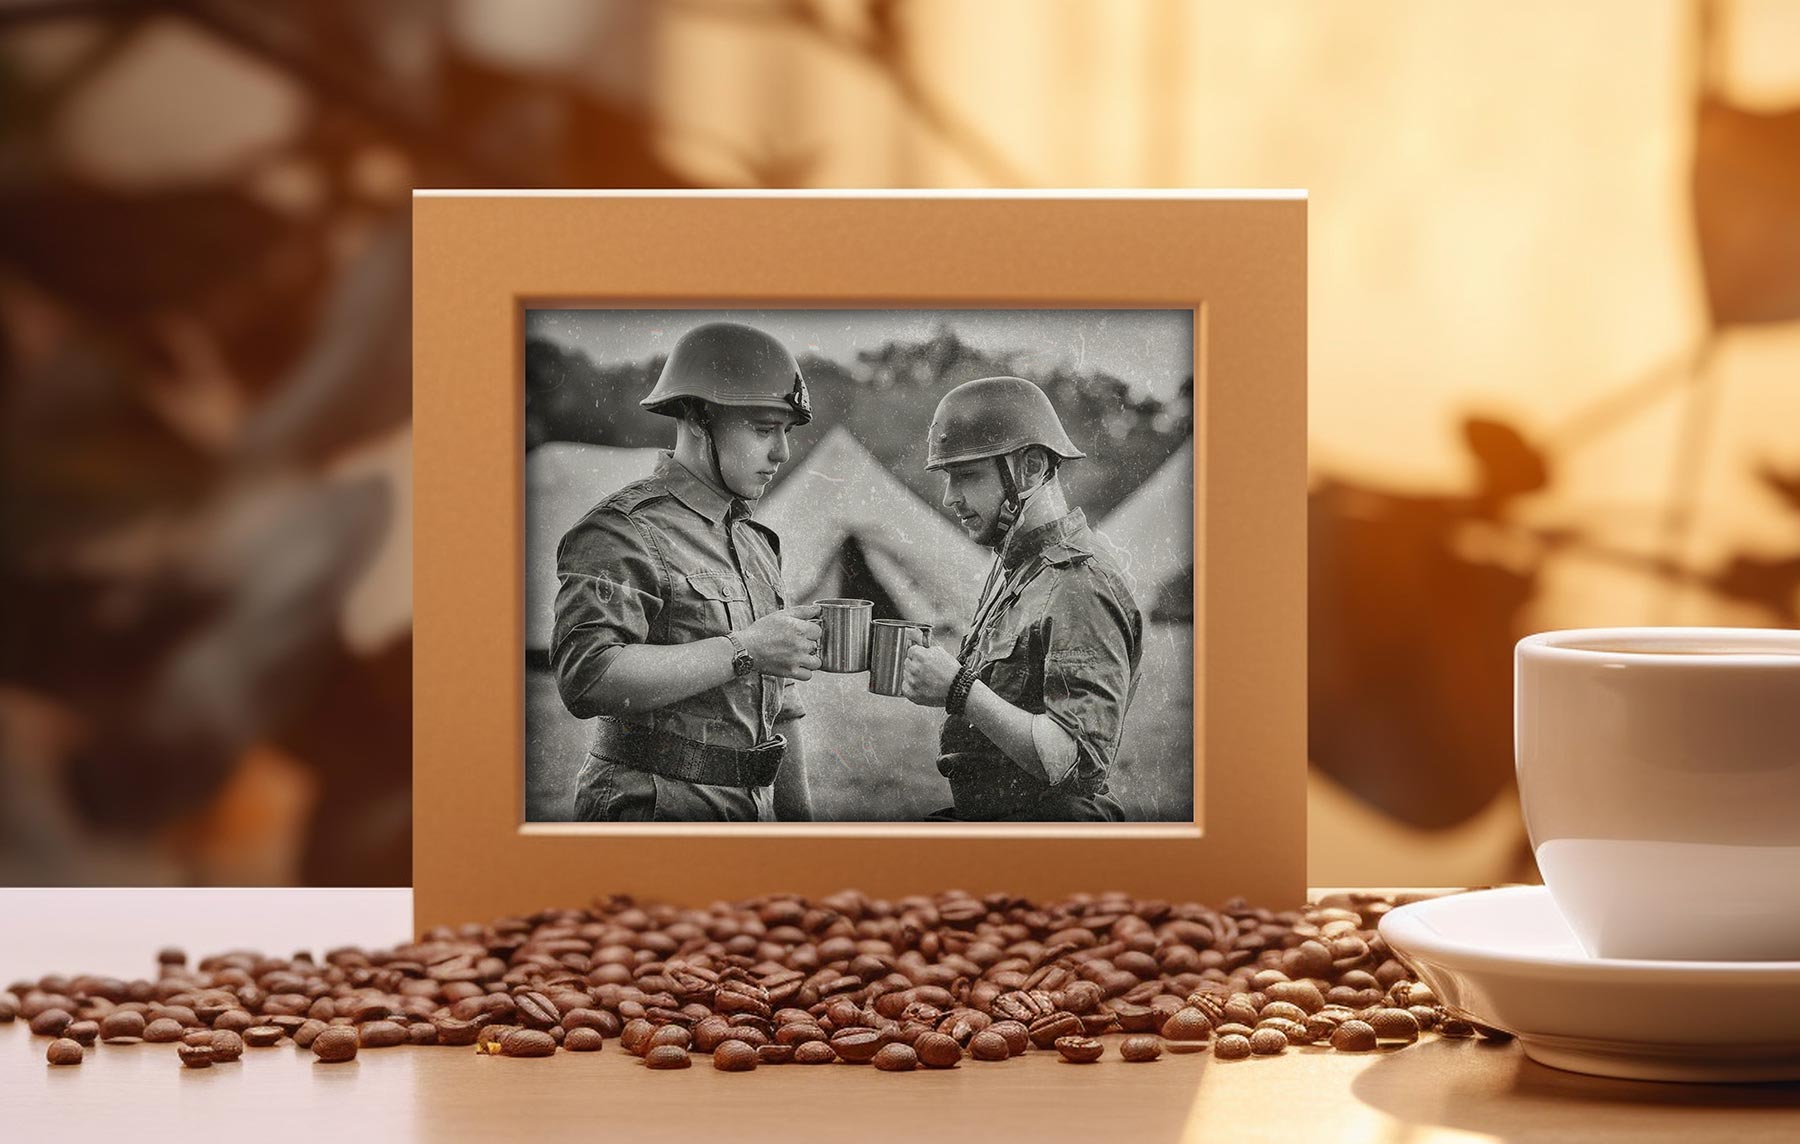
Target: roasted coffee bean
column 962, row 1024
column 262, row 1036
column 195, row 1056
column 1303, row 994
column 1017, row 1036
column 1394, row 1025
column 1407, row 994
column 527, row 1043
column 937, row 1050
column 856, row 1046
column 237, row 1020
column 635, row 1037
column 197, row 1037
column 672, row 1035
column 162, row 1031
column 585, row 1018
column 9, row 1008
column 453, row 1032
column 734, row 1056
column 896, row 1058
column 63, row 1051
column 1081, row 997
column 748, row 1035
column 814, row 1053
column 774, row 1054
column 1283, row 1009
column 335, row 1045
column 369, row 1009
column 1080, row 1050
column 1231, row 1047
column 1097, row 1024
column 667, row 1057
column 1187, row 1025
column 82, row 1032
column 1045, row 1030
column 708, row 1033
column 989, row 1045
column 1455, row 1028
column 228, row 1046
column 1353, row 1037
column 51, row 1022
column 797, row 1033
column 1140, row 1048
column 583, row 1039
column 1240, row 1009
column 489, row 1038
column 425, row 1033
column 373, row 1035
column 1267, row 1042
column 536, row 1011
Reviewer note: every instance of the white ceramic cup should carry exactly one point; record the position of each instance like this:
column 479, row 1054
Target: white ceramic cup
column 1659, row 770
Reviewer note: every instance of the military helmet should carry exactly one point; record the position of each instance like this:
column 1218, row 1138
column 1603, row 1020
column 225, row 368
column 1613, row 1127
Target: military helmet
column 994, row 417
column 728, row 363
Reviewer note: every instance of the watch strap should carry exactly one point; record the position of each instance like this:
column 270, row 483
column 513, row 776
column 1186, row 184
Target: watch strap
column 742, row 662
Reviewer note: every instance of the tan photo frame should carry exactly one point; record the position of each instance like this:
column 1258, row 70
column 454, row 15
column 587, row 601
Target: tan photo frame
column 1236, row 260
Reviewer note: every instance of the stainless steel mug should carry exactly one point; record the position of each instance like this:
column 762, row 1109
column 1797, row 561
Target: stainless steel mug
column 889, row 640
column 844, row 642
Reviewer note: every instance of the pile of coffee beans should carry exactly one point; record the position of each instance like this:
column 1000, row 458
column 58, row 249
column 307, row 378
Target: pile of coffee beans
column 918, row 982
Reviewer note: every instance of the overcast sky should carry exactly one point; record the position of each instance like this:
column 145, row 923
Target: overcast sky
column 1150, row 350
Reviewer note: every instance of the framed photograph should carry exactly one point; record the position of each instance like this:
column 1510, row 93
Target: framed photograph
column 899, row 541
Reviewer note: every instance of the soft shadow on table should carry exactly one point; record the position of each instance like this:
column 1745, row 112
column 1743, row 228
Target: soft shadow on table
column 1495, row 1089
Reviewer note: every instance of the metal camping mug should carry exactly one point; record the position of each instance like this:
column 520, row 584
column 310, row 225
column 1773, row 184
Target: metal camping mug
column 889, row 642
column 844, row 639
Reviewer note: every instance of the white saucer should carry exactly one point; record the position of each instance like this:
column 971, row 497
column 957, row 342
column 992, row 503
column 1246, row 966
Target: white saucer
column 1506, row 958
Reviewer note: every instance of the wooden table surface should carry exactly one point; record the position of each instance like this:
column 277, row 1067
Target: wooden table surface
column 1436, row 1090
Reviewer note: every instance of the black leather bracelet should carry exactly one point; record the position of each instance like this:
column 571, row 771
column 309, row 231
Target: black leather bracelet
column 958, row 698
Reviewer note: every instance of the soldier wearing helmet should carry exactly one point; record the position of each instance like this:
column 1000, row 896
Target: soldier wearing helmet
column 1036, row 699
column 671, row 625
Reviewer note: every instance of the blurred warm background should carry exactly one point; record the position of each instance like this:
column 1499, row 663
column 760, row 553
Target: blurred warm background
column 1555, row 337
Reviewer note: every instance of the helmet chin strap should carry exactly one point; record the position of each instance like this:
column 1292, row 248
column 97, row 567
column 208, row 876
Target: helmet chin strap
column 1013, row 504
column 712, row 450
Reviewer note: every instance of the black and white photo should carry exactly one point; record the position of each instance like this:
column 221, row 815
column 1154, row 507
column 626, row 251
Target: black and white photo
column 859, row 565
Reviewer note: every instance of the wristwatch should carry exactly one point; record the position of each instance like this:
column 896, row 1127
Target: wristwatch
column 741, row 663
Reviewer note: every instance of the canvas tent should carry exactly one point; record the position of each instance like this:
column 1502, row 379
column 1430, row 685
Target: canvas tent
column 562, row 481
column 1152, row 532
column 849, row 527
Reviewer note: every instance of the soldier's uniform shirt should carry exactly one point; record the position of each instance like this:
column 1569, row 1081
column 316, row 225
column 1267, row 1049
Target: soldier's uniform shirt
column 667, row 560
column 1062, row 637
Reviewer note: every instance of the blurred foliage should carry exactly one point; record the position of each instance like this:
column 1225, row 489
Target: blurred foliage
column 885, row 399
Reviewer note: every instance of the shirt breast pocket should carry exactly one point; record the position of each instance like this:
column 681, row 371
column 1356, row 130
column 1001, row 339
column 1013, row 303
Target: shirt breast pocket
column 717, row 603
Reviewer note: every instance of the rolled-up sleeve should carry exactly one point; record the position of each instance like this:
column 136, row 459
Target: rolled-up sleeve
column 1087, row 667
column 608, row 594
